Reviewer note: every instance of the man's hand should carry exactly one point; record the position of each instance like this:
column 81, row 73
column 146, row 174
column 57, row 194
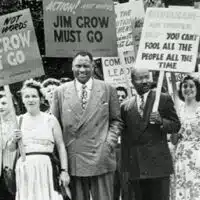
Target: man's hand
column 155, row 118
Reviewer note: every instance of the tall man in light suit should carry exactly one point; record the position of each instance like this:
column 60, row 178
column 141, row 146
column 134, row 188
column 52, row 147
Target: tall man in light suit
column 89, row 113
column 145, row 154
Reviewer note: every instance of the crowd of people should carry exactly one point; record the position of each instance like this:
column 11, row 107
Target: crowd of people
column 109, row 146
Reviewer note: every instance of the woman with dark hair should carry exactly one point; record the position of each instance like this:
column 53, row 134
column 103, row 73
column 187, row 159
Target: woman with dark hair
column 40, row 132
column 187, row 154
column 48, row 87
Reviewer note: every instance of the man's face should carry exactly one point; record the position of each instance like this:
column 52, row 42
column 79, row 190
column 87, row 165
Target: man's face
column 82, row 68
column 141, row 81
column 121, row 95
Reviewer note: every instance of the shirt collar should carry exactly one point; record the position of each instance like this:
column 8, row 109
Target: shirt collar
column 145, row 95
column 88, row 84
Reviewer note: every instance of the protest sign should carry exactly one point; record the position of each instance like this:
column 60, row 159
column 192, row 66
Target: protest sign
column 137, row 24
column 118, row 72
column 19, row 54
column 173, row 81
column 129, row 22
column 75, row 25
column 169, row 40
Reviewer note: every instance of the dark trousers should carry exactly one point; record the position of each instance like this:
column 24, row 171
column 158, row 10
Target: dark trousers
column 99, row 187
column 4, row 194
column 149, row 189
column 117, row 175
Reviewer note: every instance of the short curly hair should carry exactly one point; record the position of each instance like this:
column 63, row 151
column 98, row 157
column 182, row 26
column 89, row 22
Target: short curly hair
column 84, row 53
column 50, row 81
column 121, row 88
column 197, row 84
column 32, row 84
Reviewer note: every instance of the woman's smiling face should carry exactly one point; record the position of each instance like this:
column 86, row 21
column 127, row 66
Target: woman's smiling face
column 31, row 99
column 189, row 90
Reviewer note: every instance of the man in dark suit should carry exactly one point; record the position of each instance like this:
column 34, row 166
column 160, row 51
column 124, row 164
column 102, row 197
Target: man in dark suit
column 89, row 112
column 146, row 157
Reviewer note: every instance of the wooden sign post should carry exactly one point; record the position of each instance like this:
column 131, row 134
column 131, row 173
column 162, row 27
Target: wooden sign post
column 10, row 103
column 158, row 91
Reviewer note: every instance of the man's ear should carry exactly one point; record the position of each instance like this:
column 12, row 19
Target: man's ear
column 72, row 67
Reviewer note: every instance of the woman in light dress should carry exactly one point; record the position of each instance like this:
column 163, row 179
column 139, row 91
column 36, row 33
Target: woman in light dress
column 39, row 133
column 7, row 158
column 187, row 153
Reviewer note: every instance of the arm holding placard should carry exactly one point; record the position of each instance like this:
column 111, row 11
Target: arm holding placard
column 13, row 142
column 16, row 137
column 163, row 112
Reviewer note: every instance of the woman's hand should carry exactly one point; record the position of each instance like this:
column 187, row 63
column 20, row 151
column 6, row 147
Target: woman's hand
column 17, row 135
column 64, row 178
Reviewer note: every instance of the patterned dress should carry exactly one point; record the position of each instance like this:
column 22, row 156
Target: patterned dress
column 187, row 158
column 34, row 176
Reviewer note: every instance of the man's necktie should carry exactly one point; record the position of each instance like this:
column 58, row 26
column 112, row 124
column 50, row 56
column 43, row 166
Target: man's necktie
column 84, row 97
column 141, row 107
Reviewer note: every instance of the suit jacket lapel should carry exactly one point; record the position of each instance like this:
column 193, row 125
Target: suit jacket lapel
column 92, row 103
column 142, row 122
column 148, row 107
column 136, row 118
column 73, row 100
column 135, row 112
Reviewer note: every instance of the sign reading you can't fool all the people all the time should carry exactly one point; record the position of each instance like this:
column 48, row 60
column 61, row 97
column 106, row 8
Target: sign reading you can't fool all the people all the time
column 169, row 40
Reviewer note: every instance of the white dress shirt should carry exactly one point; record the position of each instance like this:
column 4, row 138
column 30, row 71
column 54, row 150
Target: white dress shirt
column 88, row 88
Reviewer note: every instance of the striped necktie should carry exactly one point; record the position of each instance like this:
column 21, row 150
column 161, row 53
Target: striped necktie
column 84, row 95
column 142, row 104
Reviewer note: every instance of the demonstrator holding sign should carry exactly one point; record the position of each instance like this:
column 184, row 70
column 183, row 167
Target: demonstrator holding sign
column 145, row 153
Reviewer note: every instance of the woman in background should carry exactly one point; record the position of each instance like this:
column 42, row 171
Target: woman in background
column 187, row 154
column 48, row 87
column 39, row 132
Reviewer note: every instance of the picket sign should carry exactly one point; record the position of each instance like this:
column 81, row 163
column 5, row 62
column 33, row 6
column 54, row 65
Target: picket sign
column 121, row 55
column 172, row 54
column 10, row 103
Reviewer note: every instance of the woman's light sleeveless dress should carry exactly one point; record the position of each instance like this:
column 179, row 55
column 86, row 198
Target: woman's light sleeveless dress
column 187, row 158
column 34, row 175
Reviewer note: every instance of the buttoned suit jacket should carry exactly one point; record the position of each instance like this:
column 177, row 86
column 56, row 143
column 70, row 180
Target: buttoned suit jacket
column 90, row 136
column 145, row 152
